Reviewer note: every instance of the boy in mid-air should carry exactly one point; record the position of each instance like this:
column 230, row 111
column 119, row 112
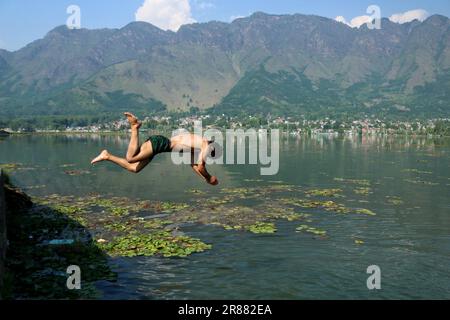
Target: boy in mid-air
column 139, row 156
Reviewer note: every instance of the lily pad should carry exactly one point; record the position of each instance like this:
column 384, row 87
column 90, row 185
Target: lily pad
column 362, row 191
column 262, row 227
column 325, row 192
column 396, row 201
column 313, row 230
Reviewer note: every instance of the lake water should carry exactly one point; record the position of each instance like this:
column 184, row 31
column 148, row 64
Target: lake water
column 409, row 239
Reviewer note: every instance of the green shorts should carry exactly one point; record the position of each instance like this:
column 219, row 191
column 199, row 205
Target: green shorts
column 160, row 144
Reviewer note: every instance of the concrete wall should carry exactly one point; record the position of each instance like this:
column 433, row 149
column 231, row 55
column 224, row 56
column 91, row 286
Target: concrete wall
column 2, row 231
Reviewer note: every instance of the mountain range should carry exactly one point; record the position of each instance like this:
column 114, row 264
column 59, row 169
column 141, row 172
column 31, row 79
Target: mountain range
column 278, row 64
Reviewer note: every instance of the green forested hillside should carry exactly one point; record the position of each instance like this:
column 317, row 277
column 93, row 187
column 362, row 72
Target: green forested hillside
column 277, row 64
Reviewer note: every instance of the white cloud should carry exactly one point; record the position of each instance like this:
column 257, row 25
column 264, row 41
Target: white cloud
column 232, row 18
column 165, row 14
column 203, row 5
column 408, row 16
column 340, row 19
column 359, row 21
column 356, row 22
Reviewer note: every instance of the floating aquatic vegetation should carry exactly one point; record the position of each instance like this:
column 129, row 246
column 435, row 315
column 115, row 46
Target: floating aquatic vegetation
column 313, row 230
column 324, row 193
column 394, row 200
column 162, row 242
column 365, row 211
column 156, row 223
column 119, row 227
column 428, row 183
column 227, row 227
column 66, row 209
column 417, row 171
column 111, row 206
column 173, row 207
column 262, row 227
column 236, row 190
column 353, row 181
column 123, row 229
column 149, row 236
column 362, row 191
column 218, row 201
column 326, row 205
column 253, row 180
column 35, row 187
column 67, row 165
column 241, row 193
column 11, row 167
column 278, row 188
column 76, row 172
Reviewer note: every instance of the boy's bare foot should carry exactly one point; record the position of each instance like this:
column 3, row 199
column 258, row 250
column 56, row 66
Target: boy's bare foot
column 132, row 120
column 104, row 155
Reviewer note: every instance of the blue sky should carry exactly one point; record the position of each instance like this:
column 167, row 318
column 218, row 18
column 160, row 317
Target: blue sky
column 22, row 21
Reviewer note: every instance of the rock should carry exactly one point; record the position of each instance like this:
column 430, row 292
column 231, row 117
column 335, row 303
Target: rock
column 16, row 199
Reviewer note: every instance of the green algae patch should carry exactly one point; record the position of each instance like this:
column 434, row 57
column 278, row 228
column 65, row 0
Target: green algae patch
column 326, row 205
column 76, row 172
column 262, row 227
column 360, row 182
column 394, row 200
column 422, row 182
column 364, row 191
column 417, row 171
column 13, row 167
column 173, row 207
column 127, row 227
column 115, row 224
column 324, row 193
column 163, row 243
column 366, row 212
column 312, row 230
column 67, row 165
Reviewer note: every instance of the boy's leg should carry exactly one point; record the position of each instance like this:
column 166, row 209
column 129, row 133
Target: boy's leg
column 132, row 167
column 200, row 167
column 145, row 152
column 133, row 146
